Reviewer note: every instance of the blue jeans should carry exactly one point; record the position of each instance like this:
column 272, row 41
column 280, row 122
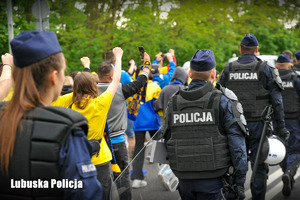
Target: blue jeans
column 129, row 131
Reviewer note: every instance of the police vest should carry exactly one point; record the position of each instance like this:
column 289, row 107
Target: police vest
column 290, row 97
column 245, row 80
column 296, row 68
column 35, row 157
column 197, row 149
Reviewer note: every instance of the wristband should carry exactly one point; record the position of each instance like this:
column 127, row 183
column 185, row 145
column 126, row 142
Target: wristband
column 8, row 65
column 145, row 74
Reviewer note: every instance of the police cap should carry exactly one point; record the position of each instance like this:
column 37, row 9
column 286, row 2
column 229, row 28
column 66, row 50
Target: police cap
column 32, row 46
column 203, row 60
column 249, row 40
column 283, row 58
column 297, row 55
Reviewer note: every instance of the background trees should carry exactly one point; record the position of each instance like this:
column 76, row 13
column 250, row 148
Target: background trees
column 91, row 27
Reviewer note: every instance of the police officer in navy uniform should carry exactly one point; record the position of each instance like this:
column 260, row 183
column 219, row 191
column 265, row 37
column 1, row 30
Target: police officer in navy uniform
column 291, row 103
column 204, row 130
column 296, row 66
column 44, row 152
column 256, row 85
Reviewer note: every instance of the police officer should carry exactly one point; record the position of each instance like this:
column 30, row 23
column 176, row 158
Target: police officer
column 205, row 134
column 256, row 85
column 291, row 102
column 44, row 151
column 296, row 67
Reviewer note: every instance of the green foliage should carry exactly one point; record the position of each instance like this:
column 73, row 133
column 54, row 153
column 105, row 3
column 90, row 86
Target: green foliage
column 91, row 28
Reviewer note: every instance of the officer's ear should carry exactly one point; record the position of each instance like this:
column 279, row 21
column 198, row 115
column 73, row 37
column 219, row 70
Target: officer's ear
column 53, row 77
column 190, row 74
column 256, row 50
column 213, row 74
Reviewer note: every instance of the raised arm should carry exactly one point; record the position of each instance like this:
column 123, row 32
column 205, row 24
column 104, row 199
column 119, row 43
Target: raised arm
column 130, row 89
column 6, row 79
column 132, row 67
column 86, row 64
column 118, row 52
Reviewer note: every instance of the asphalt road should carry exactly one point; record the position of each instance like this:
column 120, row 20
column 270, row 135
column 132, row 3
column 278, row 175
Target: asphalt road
column 156, row 191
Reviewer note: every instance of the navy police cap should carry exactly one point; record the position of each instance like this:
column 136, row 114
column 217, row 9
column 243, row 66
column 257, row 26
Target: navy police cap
column 249, row 40
column 297, row 55
column 203, row 60
column 32, row 46
column 283, row 58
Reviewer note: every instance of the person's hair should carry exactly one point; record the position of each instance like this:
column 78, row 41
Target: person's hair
column 31, row 82
column 283, row 65
column 73, row 74
column 110, row 56
column 68, row 80
column 204, row 76
column 84, row 84
column 247, row 49
column 138, row 69
column 289, row 53
column 105, row 69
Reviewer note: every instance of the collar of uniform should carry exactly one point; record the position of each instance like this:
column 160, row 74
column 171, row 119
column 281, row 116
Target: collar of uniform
column 195, row 83
column 196, row 93
column 247, row 58
column 284, row 71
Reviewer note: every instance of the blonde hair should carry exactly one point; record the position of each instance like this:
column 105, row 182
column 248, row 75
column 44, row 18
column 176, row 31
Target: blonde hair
column 204, row 76
column 68, row 80
column 283, row 65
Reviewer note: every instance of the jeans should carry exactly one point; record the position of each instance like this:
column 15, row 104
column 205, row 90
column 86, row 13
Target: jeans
column 105, row 176
column 123, row 183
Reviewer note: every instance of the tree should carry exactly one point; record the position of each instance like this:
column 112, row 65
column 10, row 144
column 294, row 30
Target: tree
column 91, row 28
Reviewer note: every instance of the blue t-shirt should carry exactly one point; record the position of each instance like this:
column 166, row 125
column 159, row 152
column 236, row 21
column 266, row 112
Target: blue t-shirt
column 125, row 78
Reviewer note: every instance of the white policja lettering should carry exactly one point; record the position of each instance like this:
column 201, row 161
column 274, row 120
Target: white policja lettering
column 192, row 117
column 243, row 76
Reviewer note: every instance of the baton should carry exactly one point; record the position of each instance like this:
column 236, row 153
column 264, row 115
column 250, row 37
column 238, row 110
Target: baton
column 266, row 114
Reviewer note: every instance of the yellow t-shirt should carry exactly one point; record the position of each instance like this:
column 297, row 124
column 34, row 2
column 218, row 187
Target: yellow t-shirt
column 96, row 114
column 10, row 94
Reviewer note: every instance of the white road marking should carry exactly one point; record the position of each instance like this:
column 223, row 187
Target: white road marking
column 272, row 192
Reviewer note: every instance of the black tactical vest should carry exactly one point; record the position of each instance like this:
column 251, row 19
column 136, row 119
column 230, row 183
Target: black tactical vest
column 296, row 68
column 197, row 149
column 246, row 81
column 36, row 151
column 291, row 100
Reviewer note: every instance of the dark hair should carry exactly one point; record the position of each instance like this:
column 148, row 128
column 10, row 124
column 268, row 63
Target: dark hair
column 247, row 49
column 138, row 69
column 110, row 56
column 84, row 84
column 31, row 82
column 105, row 69
column 73, row 74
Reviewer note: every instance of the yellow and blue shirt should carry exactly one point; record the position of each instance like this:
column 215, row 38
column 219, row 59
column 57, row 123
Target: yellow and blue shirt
column 96, row 112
